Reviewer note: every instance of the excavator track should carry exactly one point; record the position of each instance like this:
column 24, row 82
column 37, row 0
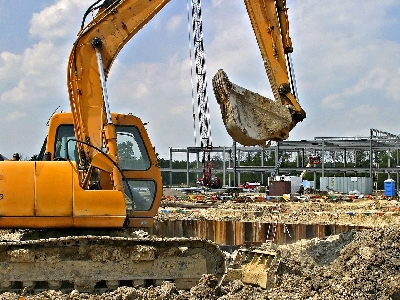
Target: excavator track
column 89, row 263
column 249, row 118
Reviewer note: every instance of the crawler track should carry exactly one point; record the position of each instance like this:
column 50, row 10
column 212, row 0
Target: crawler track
column 87, row 263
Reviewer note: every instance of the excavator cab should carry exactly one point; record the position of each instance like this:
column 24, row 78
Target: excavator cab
column 137, row 162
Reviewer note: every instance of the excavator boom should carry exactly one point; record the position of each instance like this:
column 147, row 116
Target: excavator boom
column 113, row 26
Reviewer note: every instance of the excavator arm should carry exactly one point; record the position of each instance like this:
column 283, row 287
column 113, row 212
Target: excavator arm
column 97, row 45
column 250, row 118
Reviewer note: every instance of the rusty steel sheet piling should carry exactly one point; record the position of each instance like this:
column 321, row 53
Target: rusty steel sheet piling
column 239, row 233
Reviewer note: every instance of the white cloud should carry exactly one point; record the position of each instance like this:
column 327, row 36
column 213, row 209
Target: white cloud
column 56, row 21
column 379, row 75
column 344, row 61
column 40, row 75
column 8, row 63
column 175, row 21
column 40, row 71
column 16, row 115
column 393, row 88
column 333, row 101
column 33, row 83
column 15, row 95
column 365, row 110
column 217, row 2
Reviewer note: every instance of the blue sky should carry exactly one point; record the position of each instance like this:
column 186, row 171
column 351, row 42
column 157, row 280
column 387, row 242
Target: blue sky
column 346, row 58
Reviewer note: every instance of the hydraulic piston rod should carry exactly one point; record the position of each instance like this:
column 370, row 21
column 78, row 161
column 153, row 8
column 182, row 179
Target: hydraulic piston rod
column 97, row 44
column 110, row 134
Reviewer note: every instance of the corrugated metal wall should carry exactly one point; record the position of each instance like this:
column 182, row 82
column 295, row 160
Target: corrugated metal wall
column 346, row 184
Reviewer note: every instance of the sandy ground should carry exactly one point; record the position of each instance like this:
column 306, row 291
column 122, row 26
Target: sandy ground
column 353, row 265
column 311, row 209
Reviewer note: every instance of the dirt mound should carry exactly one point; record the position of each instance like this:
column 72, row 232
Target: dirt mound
column 353, row 265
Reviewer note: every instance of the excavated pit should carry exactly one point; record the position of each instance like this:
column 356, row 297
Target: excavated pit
column 238, row 233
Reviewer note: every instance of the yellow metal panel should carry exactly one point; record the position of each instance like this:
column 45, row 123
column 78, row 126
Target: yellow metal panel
column 99, row 203
column 36, row 222
column 102, row 162
column 99, row 222
column 53, row 188
column 17, row 188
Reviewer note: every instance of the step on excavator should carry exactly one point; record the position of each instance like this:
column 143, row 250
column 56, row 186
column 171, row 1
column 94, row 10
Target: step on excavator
column 97, row 180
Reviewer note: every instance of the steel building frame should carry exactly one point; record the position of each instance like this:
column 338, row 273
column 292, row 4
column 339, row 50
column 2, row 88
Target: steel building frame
column 334, row 153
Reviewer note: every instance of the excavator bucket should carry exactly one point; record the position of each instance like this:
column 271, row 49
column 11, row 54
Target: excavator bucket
column 249, row 118
column 255, row 267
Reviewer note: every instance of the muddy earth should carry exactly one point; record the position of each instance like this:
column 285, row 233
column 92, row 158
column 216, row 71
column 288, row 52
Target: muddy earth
column 362, row 264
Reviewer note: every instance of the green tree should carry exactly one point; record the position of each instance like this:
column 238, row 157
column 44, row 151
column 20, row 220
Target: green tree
column 125, row 150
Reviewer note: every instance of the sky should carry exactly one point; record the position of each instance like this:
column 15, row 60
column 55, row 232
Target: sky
column 346, row 60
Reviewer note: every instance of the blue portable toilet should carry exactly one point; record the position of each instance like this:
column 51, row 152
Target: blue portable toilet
column 389, row 186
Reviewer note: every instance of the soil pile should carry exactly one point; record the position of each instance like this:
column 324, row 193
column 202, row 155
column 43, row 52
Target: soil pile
column 353, row 265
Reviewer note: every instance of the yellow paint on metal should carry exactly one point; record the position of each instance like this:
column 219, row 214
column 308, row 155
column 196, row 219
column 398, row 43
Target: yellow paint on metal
column 97, row 202
column 36, row 222
column 53, row 188
column 102, row 162
column 17, row 188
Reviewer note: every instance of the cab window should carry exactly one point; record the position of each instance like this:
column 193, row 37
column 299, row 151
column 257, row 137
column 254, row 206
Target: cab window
column 132, row 152
column 62, row 147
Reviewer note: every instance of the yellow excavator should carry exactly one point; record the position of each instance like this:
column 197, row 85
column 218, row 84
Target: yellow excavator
column 98, row 175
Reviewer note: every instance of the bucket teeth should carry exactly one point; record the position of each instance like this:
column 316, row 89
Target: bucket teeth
column 249, row 118
column 255, row 267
